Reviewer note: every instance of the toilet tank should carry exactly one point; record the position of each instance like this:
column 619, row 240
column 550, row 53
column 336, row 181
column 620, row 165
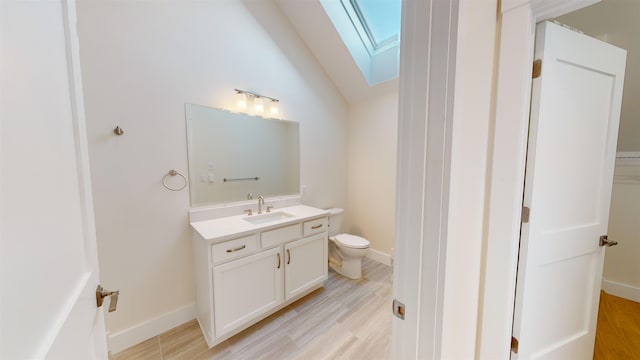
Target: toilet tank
column 335, row 221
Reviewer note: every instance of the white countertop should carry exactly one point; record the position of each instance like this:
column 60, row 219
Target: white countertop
column 225, row 228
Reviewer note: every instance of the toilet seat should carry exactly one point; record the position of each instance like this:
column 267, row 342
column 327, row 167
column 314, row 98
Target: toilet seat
column 352, row 241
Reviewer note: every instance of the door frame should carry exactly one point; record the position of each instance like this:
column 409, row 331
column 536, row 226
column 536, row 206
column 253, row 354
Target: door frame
column 513, row 101
column 424, row 158
column 426, row 101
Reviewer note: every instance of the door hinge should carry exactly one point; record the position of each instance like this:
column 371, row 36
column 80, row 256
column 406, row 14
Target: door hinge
column 398, row 309
column 525, row 214
column 537, row 68
column 514, row 345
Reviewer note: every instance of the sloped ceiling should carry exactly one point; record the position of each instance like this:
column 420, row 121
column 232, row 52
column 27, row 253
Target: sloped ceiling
column 315, row 28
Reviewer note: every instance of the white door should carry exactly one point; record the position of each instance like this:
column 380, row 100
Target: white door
column 572, row 142
column 305, row 264
column 246, row 288
column 49, row 268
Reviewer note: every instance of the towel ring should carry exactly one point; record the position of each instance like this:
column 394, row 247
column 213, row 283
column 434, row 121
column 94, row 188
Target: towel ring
column 173, row 172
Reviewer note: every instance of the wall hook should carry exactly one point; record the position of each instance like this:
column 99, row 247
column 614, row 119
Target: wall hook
column 118, row 131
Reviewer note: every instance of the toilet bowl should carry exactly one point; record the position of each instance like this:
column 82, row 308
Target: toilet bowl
column 345, row 250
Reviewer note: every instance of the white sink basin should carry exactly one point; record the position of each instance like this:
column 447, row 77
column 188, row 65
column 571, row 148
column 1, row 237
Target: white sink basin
column 267, row 218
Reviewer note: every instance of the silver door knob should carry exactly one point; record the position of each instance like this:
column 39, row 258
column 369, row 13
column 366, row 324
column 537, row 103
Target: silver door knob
column 604, row 241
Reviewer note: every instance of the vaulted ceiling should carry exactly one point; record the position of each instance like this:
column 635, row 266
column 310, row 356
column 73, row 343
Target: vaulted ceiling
column 316, row 28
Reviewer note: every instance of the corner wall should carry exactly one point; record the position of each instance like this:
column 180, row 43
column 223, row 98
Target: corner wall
column 141, row 62
column 373, row 137
column 621, row 266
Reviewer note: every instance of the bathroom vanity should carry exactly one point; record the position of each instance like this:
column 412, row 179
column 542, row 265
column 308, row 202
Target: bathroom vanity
column 249, row 266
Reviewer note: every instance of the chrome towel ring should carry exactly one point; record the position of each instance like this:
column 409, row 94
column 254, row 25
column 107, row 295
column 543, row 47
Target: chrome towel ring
column 173, row 172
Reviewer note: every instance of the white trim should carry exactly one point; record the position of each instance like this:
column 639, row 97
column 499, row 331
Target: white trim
column 628, row 292
column 80, row 133
column 626, row 179
column 136, row 334
column 628, row 155
column 422, row 186
column 507, row 173
column 379, row 256
column 628, row 159
column 506, row 183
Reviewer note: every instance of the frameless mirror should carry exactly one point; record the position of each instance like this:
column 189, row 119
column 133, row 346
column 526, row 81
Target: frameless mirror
column 233, row 156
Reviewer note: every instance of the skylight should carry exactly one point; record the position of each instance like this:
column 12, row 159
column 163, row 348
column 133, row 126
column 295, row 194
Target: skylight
column 371, row 31
column 380, row 18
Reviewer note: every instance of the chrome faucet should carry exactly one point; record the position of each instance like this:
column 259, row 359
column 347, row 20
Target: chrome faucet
column 260, row 203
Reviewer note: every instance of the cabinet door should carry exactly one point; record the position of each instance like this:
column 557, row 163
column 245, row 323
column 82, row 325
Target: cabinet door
column 246, row 288
column 305, row 264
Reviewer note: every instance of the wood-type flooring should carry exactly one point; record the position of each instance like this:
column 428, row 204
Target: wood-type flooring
column 618, row 333
column 346, row 319
column 351, row 319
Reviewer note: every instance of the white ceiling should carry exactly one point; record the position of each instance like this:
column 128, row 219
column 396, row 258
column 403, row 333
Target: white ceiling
column 316, row 30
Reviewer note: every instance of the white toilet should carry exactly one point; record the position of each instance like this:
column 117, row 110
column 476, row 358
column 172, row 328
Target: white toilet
column 345, row 251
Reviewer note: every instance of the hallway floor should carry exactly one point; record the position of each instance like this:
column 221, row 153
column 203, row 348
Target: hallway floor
column 618, row 334
column 347, row 319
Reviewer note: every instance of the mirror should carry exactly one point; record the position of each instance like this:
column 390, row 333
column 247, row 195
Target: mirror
column 232, row 155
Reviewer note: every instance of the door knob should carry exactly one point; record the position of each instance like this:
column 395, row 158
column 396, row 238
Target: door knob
column 101, row 294
column 604, row 241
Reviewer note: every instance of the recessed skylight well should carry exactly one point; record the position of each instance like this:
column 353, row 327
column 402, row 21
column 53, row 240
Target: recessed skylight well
column 381, row 19
column 371, row 31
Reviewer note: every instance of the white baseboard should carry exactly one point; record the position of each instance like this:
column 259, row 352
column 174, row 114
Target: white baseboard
column 136, row 334
column 379, row 256
column 621, row 290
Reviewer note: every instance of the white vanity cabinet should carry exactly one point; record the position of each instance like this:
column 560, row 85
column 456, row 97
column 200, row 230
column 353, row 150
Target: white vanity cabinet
column 246, row 288
column 305, row 266
column 241, row 280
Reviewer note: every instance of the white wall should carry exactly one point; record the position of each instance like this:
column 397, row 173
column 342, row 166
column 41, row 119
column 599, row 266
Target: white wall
column 621, row 266
column 142, row 61
column 373, row 129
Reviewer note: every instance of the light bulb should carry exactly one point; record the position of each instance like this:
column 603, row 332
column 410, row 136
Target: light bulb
column 258, row 105
column 274, row 108
column 241, row 100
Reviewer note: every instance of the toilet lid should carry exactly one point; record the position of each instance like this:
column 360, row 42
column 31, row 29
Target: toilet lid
column 352, row 241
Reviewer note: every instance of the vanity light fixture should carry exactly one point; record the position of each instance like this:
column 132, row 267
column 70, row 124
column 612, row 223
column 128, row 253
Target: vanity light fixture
column 247, row 100
column 274, row 108
column 258, row 105
column 241, row 100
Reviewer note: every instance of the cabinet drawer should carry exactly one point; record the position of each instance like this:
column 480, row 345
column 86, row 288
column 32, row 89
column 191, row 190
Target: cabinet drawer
column 315, row 226
column 281, row 235
column 233, row 248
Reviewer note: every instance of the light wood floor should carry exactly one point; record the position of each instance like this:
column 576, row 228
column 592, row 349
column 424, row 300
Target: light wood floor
column 347, row 319
column 351, row 319
column 618, row 334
